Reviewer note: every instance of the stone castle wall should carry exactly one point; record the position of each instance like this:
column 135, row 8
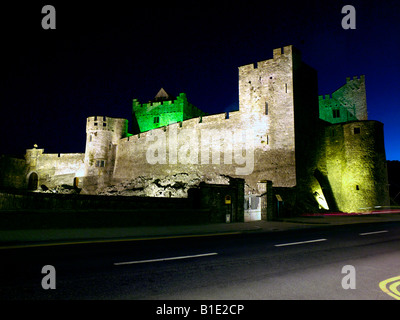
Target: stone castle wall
column 256, row 143
column 356, row 165
column 13, row 172
column 236, row 146
column 52, row 169
column 348, row 103
column 277, row 135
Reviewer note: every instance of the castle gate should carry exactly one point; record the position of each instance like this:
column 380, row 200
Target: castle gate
column 252, row 207
column 33, row 181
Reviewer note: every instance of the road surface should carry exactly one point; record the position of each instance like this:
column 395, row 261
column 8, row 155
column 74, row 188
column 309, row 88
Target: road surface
column 336, row 262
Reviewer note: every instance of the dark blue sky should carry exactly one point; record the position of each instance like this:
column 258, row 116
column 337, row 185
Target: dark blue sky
column 104, row 54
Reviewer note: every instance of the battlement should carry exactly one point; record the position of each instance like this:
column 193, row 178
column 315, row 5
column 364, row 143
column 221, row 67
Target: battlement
column 160, row 113
column 106, row 123
column 151, row 104
column 276, row 54
column 324, row 97
column 286, row 51
column 192, row 123
column 96, row 123
column 346, row 104
column 362, row 78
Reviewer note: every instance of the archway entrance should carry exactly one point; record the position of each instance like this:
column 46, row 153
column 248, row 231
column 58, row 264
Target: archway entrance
column 33, row 181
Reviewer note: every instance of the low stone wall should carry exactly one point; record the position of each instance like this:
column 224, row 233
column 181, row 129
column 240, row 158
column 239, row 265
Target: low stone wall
column 31, row 201
column 36, row 211
column 20, row 210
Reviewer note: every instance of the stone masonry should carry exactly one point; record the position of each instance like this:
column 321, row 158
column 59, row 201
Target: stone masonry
column 317, row 152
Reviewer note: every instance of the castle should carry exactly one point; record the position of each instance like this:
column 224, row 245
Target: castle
column 316, row 151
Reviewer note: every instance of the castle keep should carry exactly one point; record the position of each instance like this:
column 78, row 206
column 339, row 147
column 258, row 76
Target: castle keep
column 315, row 151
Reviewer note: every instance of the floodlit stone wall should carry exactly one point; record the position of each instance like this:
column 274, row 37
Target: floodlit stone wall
column 256, row 143
column 356, row 165
column 54, row 169
column 283, row 133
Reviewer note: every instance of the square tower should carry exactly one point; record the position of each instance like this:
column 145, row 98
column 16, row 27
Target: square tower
column 283, row 93
column 266, row 88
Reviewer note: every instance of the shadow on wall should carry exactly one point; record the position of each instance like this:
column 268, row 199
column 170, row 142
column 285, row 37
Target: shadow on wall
column 326, row 190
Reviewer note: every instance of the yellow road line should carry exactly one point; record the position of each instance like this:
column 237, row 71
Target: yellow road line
column 115, row 240
column 391, row 289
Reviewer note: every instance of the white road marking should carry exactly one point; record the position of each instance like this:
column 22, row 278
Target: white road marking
column 301, row 242
column 166, row 259
column 374, row 232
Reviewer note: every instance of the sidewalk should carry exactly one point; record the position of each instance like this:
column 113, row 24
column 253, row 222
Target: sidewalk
column 16, row 238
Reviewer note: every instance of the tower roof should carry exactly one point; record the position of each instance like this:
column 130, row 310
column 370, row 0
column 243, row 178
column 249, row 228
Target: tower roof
column 162, row 95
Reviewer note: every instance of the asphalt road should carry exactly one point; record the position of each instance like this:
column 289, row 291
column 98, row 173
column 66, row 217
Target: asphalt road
column 303, row 264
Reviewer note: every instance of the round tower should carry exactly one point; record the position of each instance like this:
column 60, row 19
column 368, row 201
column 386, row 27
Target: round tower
column 102, row 135
column 364, row 177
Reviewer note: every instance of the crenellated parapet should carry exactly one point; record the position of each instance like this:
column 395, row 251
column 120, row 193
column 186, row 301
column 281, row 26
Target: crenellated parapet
column 161, row 111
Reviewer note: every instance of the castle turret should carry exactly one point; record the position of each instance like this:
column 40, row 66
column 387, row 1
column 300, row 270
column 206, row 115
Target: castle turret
column 102, row 135
column 356, row 165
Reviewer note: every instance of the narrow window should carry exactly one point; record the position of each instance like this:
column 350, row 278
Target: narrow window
column 285, row 87
column 266, row 108
column 357, row 187
column 100, row 163
column 357, row 130
column 90, row 138
column 156, row 119
column 336, row 113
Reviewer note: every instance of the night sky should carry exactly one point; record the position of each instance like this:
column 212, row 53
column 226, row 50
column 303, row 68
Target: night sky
column 103, row 54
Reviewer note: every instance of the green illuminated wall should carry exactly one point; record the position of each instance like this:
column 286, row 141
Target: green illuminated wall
column 348, row 103
column 155, row 114
column 333, row 111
